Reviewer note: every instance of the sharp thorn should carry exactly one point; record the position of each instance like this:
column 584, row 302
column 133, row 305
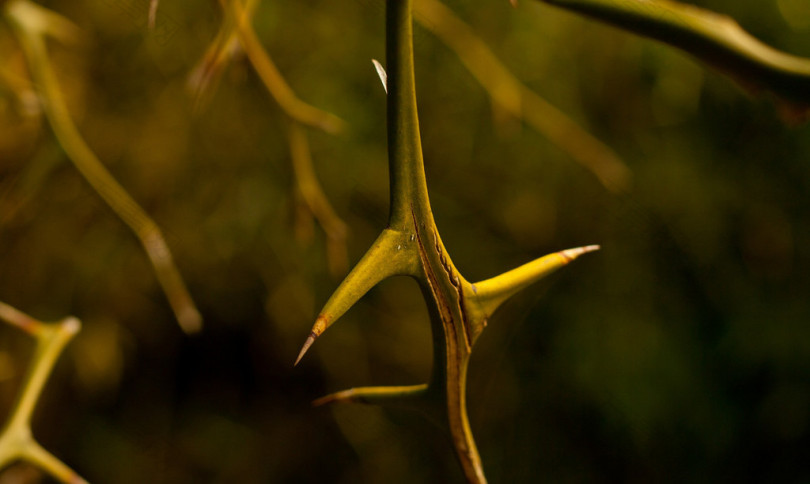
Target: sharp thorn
column 310, row 339
column 571, row 254
column 381, row 72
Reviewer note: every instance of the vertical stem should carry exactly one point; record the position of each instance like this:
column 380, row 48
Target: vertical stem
column 449, row 382
column 407, row 171
column 409, row 206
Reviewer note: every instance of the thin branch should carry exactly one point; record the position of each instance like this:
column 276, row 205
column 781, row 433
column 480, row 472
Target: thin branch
column 512, row 96
column 16, row 440
column 272, row 79
column 237, row 33
column 23, row 16
column 713, row 38
column 315, row 200
column 152, row 15
column 224, row 48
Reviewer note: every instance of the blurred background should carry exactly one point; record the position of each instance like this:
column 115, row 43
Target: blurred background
column 678, row 353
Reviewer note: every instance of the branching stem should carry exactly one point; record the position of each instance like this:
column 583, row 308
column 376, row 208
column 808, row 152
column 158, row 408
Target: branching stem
column 411, row 246
column 16, row 441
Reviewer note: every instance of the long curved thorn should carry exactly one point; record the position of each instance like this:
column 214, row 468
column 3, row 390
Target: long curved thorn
column 382, row 395
column 493, row 292
column 393, row 253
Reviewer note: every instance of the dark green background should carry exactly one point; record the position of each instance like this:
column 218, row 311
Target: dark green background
column 679, row 353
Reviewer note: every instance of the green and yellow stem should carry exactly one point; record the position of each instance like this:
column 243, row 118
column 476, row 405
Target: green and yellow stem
column 411, row 246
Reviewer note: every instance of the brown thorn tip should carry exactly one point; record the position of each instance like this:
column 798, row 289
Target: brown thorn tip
column 310, row 339
column 571, row 254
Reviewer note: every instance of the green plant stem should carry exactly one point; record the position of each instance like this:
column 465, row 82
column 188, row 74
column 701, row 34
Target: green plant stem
column 315, row 200
column 411, row 246
column 19, row 12
column 406, row 166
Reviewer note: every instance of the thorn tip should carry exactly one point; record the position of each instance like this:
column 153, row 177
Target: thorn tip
column 381, row 72
column 310, row 339
column 571, row 254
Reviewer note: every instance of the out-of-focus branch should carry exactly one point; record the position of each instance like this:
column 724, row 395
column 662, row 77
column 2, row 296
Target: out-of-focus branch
column 715, row 39
column 313, row 196
column 519, row 101
column 16, row 439
column 272, row 79
column 27, row 18
column 224, row 48
column 237, row 34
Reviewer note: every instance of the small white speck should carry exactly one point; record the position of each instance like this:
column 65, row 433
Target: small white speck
column 399, row 247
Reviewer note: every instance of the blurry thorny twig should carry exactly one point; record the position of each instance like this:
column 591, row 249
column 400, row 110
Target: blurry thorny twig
column 715, row 39
column 150, row 18
column 16, row 440
column 225, row 46
column 518, row 100
column 295, row 108
column 237, row 31
column 31, row 23
column 314, row 198
column 411, row 246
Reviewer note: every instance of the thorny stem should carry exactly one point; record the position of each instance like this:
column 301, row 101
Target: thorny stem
column 411, row 245
column 23, row 15
column 16, row 441
column 512, row 96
